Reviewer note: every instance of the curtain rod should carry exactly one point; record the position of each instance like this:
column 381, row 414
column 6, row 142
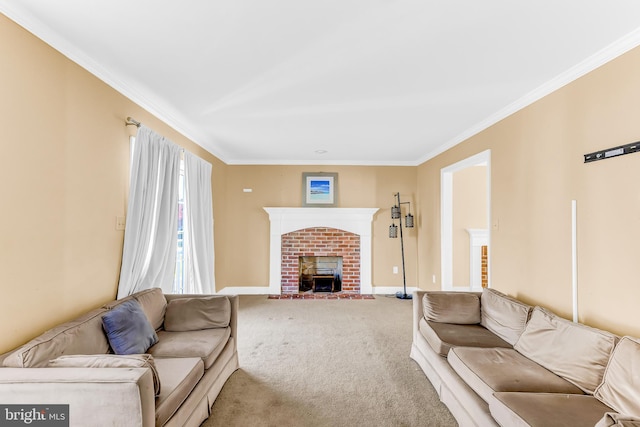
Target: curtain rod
column 132, row 122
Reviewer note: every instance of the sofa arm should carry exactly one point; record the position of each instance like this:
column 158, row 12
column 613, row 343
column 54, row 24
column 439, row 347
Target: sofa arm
column 418, row 310
column 235, row 305
column 96, row 396
column 613, row 419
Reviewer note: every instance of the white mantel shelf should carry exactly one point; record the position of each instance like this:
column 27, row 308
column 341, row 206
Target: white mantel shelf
column 286, row 220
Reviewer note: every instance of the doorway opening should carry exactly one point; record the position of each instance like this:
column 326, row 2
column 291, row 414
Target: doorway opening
column 465, row 222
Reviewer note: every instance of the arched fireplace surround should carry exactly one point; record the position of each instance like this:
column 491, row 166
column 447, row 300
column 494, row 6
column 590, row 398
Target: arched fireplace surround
column 286, row 220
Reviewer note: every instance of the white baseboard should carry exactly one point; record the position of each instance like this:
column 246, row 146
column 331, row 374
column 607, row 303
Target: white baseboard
column 378, row 290
column 244, row 290
column 264, row 290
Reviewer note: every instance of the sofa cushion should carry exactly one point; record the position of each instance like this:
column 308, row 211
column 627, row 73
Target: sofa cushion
column 443, row 336
column 179, row 377
column 620, row 387
column 192, row 314
column 503, row 315
column 82, row 335
column 206, row 344
column 546, row 409
column 571, row 350
column 451, row 307
column 154, row 304
column 109, row 361
column 128, row 329
column 489, row 370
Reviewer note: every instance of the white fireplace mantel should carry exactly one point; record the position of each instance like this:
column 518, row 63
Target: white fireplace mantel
column 286, row 220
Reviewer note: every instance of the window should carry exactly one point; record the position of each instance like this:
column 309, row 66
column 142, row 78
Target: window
column 178, row 281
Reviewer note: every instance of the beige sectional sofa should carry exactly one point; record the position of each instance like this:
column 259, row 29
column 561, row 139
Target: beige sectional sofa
column 496, row 361
column 174, row 384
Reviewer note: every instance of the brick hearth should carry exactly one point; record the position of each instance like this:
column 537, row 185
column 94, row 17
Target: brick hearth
column 323, row 296
column 320, row 241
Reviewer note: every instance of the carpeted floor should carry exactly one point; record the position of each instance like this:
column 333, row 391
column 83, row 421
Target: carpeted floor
column 326, row 362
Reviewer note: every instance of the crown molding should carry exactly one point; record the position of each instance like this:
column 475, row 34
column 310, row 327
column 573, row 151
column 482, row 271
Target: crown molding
column 166, row 114
column 593, row 62
column 258, row 162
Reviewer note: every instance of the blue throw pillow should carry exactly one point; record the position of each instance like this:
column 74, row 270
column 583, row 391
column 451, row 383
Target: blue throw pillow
column 128, row 329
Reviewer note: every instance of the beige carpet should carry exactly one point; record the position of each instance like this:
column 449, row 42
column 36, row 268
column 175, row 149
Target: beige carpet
column 327, row 363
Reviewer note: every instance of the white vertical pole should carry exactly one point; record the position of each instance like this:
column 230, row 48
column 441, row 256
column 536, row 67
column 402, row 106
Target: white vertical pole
column 574, row 259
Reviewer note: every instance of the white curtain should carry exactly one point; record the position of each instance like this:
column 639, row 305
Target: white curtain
column 149, row 253
column 198, row 224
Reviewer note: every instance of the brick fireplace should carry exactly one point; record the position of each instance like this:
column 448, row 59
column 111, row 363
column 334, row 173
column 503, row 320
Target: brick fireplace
column 350, row 227
column 321, row 242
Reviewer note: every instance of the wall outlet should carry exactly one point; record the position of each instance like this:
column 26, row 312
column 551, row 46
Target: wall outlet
column 120, row 222
column 395, row 269
column 433, row 278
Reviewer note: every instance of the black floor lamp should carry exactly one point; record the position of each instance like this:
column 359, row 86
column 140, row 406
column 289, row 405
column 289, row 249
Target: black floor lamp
column 396, row 213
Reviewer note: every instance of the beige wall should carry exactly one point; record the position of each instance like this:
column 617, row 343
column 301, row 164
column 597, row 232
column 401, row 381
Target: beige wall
column 67, row 158
column 66, row 171
column 65, row 179
column 536, row 170
column 469, row 211
column 246, row 253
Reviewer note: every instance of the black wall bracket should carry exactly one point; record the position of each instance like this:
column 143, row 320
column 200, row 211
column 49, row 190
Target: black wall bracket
column 612, row 152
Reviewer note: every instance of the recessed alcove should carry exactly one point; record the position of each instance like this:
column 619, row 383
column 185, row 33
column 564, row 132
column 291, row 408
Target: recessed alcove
column 320, row 274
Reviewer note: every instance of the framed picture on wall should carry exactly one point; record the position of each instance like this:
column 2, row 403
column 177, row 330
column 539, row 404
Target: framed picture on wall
column 319, row 189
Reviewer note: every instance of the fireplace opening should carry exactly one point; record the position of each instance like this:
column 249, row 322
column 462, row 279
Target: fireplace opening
column 320, row 273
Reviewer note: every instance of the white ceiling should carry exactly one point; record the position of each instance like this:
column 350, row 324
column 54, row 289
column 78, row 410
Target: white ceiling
column 380, row 82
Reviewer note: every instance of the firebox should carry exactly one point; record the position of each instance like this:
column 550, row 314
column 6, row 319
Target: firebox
column 320, row 273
